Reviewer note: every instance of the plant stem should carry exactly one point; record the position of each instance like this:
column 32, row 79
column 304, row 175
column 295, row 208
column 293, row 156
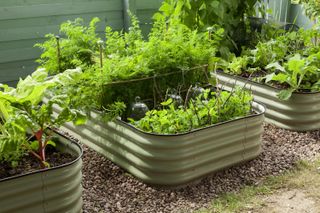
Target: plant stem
column 58, row 52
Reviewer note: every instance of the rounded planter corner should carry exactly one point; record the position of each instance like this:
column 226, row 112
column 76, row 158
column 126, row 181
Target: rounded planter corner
column 300, row 113
column 55, row 190
column 174, row 159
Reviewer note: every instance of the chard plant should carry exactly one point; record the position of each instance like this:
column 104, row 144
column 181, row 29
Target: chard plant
column 27, row 124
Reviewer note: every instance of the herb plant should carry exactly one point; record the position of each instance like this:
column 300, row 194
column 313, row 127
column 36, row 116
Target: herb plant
column 206, row 109
column 166, row 60
column 130, row 66
column 77, row 47
column 311, row 7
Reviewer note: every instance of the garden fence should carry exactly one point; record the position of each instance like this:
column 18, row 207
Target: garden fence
column 25, row 22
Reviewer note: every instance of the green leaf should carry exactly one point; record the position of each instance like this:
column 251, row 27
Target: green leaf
column 167, row 102
column 285, row 94
column 296, row 63
column 281, row 77
column 51, row 143
column 276, row 66
column 34, row 145
column 215, row 4
column 81, row 119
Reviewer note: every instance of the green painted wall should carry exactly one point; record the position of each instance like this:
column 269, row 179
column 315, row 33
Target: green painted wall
column 25, row 22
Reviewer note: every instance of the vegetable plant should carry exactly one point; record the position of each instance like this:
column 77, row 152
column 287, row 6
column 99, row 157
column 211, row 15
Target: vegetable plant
column 27, row 124
column 76, row 47
column 298, row 74
column 206, row 109
column 132, row 66
column 311, row 7
column 201, row 14
column 288, row 62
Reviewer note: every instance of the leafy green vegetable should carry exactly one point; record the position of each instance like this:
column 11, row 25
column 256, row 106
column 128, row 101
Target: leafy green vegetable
column 311, row 7
column 201, row 14
column 27, row 124
column 207, row 109
column 289, row 62
column 78, row 49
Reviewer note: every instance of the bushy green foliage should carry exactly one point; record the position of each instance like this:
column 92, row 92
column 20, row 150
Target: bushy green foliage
column 133, row 66
column 26, row 123
column 299, row 73
column 207, row 109
column 311, row 7
column 77, row 47
column 201, row 14
column 289, row 61
column 171, row 49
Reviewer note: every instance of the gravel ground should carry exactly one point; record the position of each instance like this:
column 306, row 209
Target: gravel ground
column 108, row 188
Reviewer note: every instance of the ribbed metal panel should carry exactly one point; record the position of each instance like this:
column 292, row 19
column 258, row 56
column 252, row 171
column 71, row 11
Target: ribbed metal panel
column 53, row 190
column 174, row 159
column 301, row 112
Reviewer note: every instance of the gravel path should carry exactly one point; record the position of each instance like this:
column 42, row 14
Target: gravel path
column 108, row 188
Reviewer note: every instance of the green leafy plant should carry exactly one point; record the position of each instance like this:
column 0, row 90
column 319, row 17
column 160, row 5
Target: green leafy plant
column 311, row 7
column 298, row 74
column 131, row 66
column 165, row 60
column 26, row 123
column 207, row 109
column 288, row 62
column 201, row 14
column 77, row 47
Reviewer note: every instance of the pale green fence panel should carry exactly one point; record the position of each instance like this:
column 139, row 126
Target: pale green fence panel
column 296, row 15
column 25, row 22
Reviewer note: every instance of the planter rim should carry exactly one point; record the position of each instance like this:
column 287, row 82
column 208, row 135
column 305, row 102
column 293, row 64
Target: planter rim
column 265, row 85
column 54, row 168
column 255, row 114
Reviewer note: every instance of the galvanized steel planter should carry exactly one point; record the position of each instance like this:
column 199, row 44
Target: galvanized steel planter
column 301, row 112
column 52, row 190
column 174, row 159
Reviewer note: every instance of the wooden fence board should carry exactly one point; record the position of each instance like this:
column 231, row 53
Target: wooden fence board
column 24, row 23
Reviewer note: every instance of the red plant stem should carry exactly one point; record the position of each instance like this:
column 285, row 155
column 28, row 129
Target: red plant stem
column 39, row 158
column 41, row 149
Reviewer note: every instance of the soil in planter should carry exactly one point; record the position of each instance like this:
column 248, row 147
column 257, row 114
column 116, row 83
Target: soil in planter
column 30, row 164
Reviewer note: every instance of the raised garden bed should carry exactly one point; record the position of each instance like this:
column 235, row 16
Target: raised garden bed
column 56, row 189
column 174, row 159
column 301, row 112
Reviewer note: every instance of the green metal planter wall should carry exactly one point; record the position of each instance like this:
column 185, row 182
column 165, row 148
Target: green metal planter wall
column 53, row 190
column 301, row 112
column 174, row 159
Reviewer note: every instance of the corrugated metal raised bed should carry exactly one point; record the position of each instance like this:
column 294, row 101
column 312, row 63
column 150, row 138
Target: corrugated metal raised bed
column 174, row 159
column 301, row 112
column 52, row 190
